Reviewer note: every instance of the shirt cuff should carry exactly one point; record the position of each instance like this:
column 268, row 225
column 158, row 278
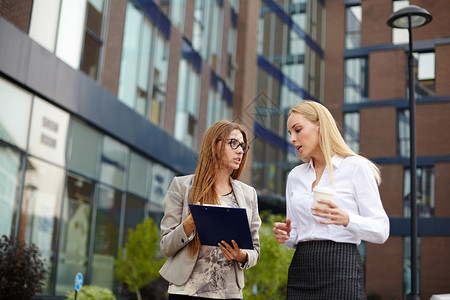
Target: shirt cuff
column 352, row 225
column 191, row 236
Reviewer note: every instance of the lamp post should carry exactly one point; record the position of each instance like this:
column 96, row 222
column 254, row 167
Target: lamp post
column 411, row 17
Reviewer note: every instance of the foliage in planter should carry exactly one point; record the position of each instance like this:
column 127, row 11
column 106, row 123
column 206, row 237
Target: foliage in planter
column 268, row 279
column 92, row 292
column 139, row 261
column 21, row 269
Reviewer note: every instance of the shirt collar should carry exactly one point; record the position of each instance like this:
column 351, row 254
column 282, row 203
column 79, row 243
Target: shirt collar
column 335, row 161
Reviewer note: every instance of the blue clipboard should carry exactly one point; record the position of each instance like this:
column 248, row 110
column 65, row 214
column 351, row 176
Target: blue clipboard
column 217, row 223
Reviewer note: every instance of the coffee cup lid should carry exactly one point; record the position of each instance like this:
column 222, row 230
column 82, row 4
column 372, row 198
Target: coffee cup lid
column 324, row 189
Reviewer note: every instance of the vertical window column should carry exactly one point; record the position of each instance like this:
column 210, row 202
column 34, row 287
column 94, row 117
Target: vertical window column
column 356, row 80
column 353, row 20
column 187, row 104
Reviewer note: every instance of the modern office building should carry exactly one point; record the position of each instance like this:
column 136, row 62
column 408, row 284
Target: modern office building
column 102, row 102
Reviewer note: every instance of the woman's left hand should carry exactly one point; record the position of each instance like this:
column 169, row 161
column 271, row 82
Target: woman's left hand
column 336, row 215
column 233, row 252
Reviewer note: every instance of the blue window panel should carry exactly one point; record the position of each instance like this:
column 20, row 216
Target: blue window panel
column 278, row 75
column 156, row 15
column 219, row 85
column 273, row 6
column 191, row 55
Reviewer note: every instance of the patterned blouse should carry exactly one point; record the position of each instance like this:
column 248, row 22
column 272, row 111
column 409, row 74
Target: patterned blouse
column 213, row 275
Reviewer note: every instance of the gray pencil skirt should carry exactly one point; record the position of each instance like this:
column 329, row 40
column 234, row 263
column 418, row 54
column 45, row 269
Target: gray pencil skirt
column 326, row 270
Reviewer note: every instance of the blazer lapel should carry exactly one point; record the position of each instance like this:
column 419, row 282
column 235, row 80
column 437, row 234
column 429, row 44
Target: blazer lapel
column 240, row 196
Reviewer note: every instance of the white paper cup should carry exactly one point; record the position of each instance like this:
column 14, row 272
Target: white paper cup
column 322, row 192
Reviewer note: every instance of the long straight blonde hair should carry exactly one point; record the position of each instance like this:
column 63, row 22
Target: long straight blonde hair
column 331, row 141
column 208, row 166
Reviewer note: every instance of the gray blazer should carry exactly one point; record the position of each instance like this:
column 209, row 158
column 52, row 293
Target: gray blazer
column 174, row 242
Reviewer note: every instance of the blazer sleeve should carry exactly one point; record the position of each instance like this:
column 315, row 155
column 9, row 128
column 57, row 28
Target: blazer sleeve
column 173, row 238
column 255, row 224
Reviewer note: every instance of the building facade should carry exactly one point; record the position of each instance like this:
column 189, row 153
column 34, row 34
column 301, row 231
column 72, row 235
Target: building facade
column 102, row 102
column 371, row 98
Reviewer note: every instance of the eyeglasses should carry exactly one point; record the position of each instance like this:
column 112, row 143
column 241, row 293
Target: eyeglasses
column 234, row 144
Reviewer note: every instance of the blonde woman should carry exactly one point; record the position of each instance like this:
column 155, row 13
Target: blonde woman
column 206, row 272
column 326, row 263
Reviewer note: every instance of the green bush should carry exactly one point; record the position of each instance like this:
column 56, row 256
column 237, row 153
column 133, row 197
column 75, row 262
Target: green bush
column 21, row 270
column 268, row 279
column 92, row 292
column 139, row 261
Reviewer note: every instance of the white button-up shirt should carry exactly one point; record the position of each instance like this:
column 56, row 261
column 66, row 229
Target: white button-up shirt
column 356, row 192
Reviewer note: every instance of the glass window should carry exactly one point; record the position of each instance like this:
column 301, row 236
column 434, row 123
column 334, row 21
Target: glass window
column 130, row 64
column 15, row 114
column 187, row 104
column 351, row 130
column 403, row 133
column 48, row 132
column 215, row 35
column 356, row 80
column 144, row 66
column 207, row 31
column 134, row 214
column 234, row 5
column 295, row 72
column 174, row 9
column 218, row 108
column 71, row 31
column 161, row 179
column 198, row 30
column 231, row 51
column 107, row 224
column 353, row 18
column 113, row 163
column 83, row 152
column 260, row 48
column 160, row 71
column 92, row 38
column 75, row 232
column 296, row 43
column 10, row 184
column 43, row 23
column 138, row 180
column 40, row 212
column 425, row 192
column 289, row 98
column 425, row 74
column 399, row 36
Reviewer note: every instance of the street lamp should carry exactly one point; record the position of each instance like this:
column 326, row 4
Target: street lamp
column 411, row 17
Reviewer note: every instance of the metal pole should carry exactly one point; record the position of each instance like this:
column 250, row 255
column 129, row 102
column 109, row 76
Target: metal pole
column 412, row 138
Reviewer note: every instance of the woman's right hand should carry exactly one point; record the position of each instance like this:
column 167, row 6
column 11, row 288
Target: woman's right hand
column 282, row 231
column 188, row 225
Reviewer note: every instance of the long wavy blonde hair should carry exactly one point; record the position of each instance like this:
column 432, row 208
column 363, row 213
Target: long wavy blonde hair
column 331, row 141
column 208, row 166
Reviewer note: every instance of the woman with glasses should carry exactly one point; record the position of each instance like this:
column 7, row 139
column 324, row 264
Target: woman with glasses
column 207, row 272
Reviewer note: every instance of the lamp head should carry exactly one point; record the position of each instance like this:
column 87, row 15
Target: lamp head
column 419, row 17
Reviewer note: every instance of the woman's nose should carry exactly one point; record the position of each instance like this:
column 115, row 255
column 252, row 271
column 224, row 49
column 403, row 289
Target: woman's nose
column 291, row 139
